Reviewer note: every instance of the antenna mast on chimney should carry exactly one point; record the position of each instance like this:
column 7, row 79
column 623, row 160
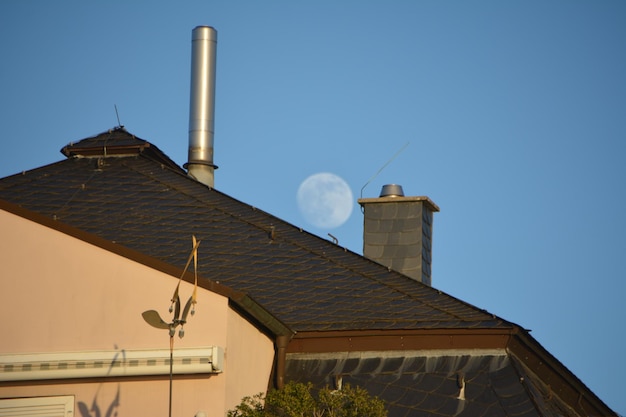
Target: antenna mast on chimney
column 202, row 105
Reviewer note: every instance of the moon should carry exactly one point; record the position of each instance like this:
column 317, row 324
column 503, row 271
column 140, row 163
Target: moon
column 325, row 200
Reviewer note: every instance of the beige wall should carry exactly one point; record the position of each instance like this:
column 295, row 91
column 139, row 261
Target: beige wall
column 62, row 294
column 242, row 383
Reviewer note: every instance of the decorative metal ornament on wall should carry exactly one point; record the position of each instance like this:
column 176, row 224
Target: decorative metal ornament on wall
column 179, row 318
column 153, row 318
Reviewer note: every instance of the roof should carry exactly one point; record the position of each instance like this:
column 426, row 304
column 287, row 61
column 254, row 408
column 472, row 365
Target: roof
column 132, row 194
column 437, row 383
column 124, row 194
column 116, row 142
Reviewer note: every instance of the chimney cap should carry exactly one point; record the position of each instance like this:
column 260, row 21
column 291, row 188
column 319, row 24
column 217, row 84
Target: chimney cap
column 391, row 190
column 383, row 200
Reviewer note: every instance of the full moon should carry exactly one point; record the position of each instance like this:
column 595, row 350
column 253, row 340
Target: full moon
column 325, row 200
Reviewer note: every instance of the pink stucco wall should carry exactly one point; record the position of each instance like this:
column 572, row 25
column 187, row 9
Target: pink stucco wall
column 62, row 294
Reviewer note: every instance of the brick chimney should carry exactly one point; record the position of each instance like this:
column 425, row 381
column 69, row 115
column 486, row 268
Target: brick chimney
column 398, row 232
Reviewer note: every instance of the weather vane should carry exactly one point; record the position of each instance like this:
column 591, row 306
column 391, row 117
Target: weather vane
column 153, row 318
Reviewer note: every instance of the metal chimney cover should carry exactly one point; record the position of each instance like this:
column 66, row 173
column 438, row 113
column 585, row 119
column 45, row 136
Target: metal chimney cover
column 391, row 190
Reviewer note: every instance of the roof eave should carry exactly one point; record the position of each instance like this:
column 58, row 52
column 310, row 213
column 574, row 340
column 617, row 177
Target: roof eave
column 405, row 339
column 556, row 376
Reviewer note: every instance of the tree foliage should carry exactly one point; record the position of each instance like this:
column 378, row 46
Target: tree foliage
column 299, row 400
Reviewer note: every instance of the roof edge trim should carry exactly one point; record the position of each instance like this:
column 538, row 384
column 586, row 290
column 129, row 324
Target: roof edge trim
column 557, row 376
column 258, row 312
column 400, row 340
column 428, row 353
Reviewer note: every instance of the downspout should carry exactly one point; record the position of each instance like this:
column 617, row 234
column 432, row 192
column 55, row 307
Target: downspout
column 281, row 359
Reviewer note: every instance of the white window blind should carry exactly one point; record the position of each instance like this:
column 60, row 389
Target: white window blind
column 62, row 406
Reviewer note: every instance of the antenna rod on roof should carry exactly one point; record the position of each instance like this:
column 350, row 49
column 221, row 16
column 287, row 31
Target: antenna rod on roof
column 119, row 124
column 383, row 167
column 202, row 105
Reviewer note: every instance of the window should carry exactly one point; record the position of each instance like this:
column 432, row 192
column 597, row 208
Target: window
column 62, row 406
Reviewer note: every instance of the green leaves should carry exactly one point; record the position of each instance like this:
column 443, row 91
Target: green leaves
column 299, row 400
column 249, row 407
column 294, row 400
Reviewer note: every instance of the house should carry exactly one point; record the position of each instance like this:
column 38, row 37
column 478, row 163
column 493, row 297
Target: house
column 91, row 243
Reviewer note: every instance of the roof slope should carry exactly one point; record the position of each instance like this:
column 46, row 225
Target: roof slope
column 432, row 383
column 125, row 190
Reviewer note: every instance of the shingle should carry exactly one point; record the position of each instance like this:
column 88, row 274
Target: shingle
column 431, row 386
column 141, row 200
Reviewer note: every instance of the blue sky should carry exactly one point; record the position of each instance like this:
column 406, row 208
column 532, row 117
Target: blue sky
column 515, row 114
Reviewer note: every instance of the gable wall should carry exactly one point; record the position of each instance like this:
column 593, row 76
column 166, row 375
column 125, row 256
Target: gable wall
column 65, row 295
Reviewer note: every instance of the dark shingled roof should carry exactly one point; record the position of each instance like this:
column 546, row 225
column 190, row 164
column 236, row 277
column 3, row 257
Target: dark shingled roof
column 479, row 383
column 125, row 190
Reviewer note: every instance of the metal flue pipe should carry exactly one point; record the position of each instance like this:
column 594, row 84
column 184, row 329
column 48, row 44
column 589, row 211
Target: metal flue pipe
column 202, row 105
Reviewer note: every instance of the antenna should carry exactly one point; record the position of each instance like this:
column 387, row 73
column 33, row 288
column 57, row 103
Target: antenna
column 384, row 166
column 119, row 124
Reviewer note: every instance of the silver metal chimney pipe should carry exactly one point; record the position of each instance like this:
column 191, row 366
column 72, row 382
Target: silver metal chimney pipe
column 202, row 105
